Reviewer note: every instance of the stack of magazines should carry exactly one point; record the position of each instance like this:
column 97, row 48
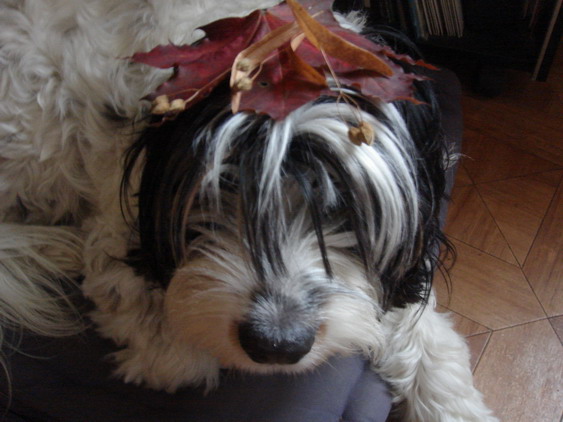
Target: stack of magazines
column 436, row 18
column 426, row 18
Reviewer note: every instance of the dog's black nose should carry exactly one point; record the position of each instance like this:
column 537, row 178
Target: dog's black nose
column 271, row 347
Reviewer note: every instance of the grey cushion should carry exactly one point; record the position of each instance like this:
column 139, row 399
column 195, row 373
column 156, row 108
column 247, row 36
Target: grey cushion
column 69, row 380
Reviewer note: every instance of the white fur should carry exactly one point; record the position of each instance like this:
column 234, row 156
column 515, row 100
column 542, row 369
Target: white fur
column 427, row 361
column 62, row 70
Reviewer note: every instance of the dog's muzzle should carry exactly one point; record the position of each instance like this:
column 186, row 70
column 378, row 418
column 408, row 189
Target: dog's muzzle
column 277, row 330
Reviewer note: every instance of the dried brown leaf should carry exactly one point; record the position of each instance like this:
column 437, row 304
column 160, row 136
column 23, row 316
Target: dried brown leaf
column 249, row 59
column 334, row 45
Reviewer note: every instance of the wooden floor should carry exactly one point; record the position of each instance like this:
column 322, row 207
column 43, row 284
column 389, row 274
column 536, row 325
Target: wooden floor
column 506, row 221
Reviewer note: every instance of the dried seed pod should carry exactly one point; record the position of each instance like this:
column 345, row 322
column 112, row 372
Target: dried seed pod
column 244, row 65
column 362, row 134
column 244, row 84
column 160, row 105
column 177, row 106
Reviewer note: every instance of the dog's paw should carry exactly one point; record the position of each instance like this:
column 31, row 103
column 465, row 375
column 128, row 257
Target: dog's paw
column 164, row 366
column 65, row 251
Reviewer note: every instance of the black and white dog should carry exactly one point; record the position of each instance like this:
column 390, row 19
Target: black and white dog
column 217, row 239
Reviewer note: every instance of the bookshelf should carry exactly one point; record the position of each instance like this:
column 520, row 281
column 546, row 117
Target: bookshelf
column 485, row 35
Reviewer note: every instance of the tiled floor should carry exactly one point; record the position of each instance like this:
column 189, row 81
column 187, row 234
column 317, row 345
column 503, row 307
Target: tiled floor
column 506, row 221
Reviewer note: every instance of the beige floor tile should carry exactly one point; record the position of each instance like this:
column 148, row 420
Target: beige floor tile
column 462, row 177
column 521, row 374
column 557, row 324
column 528, row 116
column 518, row 206
column 544, row 264
column 518, row 133
column 470, row 221
column 548, row 148
column 488, row 291
column 477, row 344
column 463, row 325
column 529, row 123
column 488, row 159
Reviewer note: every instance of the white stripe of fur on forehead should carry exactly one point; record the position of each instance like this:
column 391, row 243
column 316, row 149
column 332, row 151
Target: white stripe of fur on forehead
column 385, row 169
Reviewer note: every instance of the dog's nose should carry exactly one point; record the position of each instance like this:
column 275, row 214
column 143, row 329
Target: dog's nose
column 269, row 348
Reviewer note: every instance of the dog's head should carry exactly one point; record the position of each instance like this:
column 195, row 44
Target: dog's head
column 280, row 243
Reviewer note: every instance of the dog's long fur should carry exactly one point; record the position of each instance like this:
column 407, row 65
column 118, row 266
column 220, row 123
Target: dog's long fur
column 213, row 233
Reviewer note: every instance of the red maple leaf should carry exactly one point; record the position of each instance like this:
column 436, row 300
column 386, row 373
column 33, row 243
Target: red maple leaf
column 267, row 75
column 201, row 67
column 282, row 86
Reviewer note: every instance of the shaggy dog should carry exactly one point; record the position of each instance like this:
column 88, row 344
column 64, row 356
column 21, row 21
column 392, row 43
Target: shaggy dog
column 216, row 240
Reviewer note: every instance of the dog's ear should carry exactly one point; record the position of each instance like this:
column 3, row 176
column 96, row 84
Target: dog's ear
column 174, row 158
column 171, row 164
column 423, row 122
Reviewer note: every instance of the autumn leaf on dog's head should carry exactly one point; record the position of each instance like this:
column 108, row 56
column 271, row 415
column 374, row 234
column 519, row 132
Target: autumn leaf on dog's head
column 284, row 84
column 334, row 45
column 249, row 60
column 278, row 59
column 201, row 67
